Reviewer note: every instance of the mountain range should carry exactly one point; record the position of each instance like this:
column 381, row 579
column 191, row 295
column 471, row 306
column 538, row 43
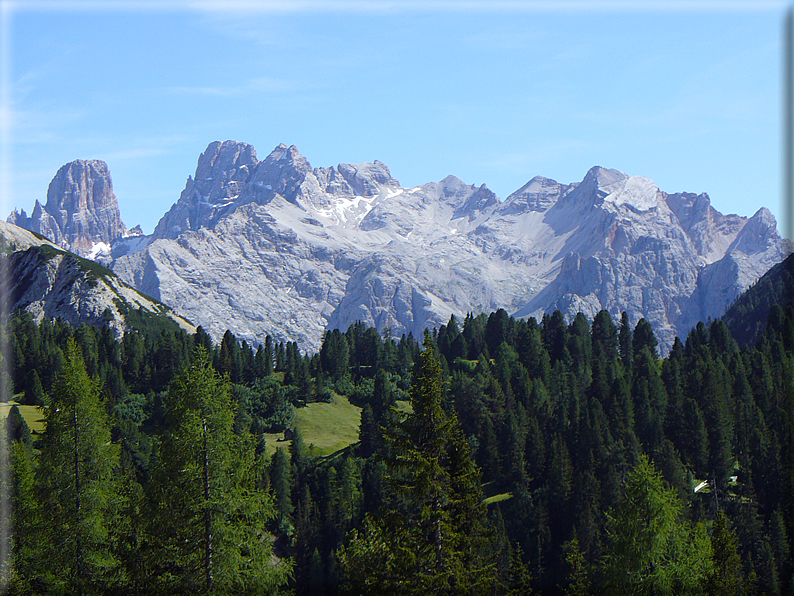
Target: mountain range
column 282, row 248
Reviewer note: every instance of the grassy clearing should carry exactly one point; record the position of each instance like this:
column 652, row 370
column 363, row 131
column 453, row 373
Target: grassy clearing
column 498, row 498
column 328, row 426
column 33, row 415
column 404, row 407
column 491, row 496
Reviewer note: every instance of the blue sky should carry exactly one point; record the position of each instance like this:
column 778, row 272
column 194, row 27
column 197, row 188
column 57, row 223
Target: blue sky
column 685, row 93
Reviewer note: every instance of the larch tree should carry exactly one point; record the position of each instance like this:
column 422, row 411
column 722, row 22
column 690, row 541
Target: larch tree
column 650, row 548
column 76, row 487
column 207, row 533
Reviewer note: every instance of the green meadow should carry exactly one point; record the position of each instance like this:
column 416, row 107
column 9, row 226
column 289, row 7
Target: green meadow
column 33, row 415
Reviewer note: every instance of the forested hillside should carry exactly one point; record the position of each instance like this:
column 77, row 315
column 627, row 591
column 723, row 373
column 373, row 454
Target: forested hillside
column 495, row 456
column 746, row 318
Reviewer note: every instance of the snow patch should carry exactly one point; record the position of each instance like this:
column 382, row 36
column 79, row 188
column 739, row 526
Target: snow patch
column 346, row 211
column 636, row 191
column 98, row 248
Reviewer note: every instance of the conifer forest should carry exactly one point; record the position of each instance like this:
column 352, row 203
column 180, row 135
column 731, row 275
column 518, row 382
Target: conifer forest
column 494, row 456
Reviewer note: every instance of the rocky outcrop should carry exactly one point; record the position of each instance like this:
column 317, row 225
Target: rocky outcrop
column 229, row 175
column 81, row 214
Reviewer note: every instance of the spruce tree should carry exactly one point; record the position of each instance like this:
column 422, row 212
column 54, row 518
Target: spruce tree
column 432, row 543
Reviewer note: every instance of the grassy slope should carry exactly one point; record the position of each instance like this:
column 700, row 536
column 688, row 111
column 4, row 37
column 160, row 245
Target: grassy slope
column 33, row 415
column 328, row 426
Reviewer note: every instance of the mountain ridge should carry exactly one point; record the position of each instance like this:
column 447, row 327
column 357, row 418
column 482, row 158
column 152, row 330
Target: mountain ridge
column 276, row 246
column 49, row 282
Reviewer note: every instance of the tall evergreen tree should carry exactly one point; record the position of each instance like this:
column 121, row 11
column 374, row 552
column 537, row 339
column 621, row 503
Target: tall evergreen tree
column 75, row 485
column 26, row 548
column 208, row 519
column 431, row 544
column 282, row 484
column 727, row 576
column 626, row 340
column 651, row 550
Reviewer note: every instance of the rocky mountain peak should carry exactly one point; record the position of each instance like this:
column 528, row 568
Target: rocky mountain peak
column 366, row 178
column 710, row 231
column 81, row 213
column 538, row 194
column 480, row 200
column 613, row 190
column 454, row 191
column 283, row 155
column 597, row 184
column 602, row 178
column 691, row 208
column 227, row 158
column 758, row 234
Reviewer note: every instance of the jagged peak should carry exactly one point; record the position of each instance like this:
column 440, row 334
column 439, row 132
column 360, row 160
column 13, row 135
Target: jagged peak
column 225, row 155
column 614, row 189
column 603, row 177
column 282, row 154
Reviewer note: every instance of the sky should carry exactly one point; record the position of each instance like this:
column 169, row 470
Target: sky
column 688, row 94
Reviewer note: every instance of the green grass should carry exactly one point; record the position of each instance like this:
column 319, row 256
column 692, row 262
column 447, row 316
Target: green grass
column 33, row 415
column 329, row 427
column 491, row 496
column 498, row 498
column 404, row 407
